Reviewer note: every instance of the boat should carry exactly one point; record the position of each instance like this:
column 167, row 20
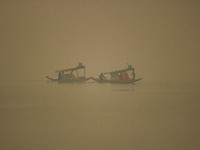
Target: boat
column 118, row 76
column 67, row 74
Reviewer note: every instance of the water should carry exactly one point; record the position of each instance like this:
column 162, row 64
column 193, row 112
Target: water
column 38, row 115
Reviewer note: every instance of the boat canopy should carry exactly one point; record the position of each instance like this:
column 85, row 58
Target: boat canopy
column 123, row 70
column 80, row 66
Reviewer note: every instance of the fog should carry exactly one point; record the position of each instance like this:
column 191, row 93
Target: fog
column 159, row 38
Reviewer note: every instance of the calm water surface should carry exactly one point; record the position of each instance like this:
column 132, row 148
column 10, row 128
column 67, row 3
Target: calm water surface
column 39, row 115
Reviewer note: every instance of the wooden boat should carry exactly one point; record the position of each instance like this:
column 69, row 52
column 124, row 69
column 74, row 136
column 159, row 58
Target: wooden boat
column 119, row 81
column 67, row 74
column 118, row 76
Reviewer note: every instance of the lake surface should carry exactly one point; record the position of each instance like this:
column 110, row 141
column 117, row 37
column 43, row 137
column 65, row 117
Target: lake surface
column 40, row 115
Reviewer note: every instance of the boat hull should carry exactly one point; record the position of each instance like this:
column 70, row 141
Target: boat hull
column 69, row 80
column 116, row 81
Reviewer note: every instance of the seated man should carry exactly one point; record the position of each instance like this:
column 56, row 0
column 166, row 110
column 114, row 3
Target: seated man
column 102, row 77
column 124, row 75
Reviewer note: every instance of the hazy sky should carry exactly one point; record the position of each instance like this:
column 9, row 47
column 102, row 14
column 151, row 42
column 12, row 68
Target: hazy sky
column 160, row 38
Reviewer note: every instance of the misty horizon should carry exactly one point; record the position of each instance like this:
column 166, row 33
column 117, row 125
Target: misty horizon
column 160, row 39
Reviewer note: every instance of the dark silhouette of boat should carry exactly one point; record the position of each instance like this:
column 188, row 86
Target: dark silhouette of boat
column 68, row 74
column 118, row 76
